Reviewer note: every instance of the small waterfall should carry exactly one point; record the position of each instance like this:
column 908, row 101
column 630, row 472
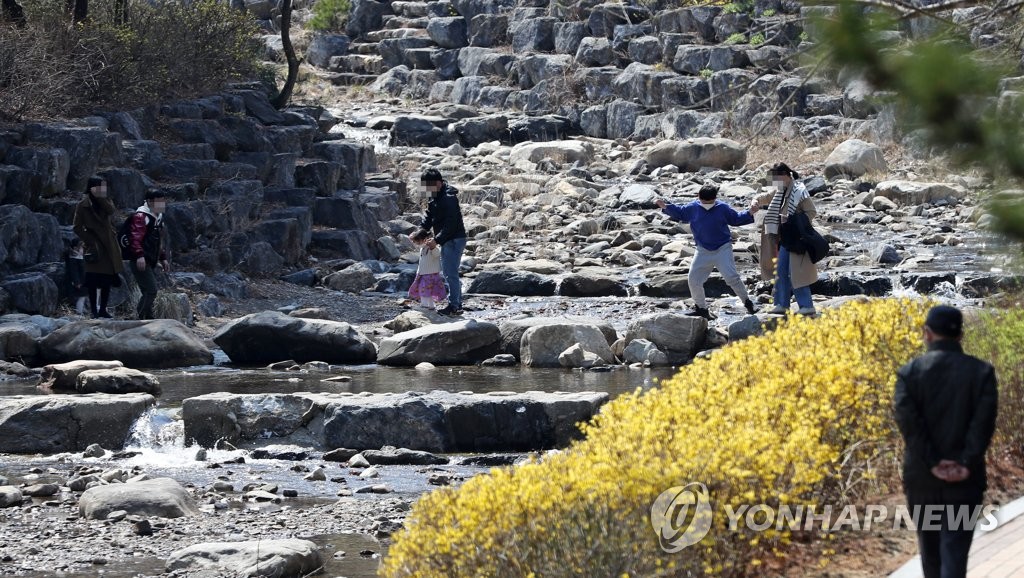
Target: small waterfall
column 159, row 436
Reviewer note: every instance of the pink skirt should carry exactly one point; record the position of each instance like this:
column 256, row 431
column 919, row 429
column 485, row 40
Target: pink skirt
column 431, row 285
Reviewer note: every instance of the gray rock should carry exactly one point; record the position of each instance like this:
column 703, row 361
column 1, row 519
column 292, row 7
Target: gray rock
column 685, row 124
column 156, row 343
column 563, row 152
column 10, row 496
column 448, row 32
column 84, row 145
column 533, row 35
column 475, row 61
column 678, row 336
column 639, row 196
column 542, row 345
column 41, row 490
column 68, row 423
column 522, row 283
column 698, row 153
column 32, row 293
column 749, row 326
column 885, row 254
column 117, row 381
column 18, row 340
column 366, row 16
column 27, row 239
column 512, row 331
column 162, row 497
column 271, row 336
column 695, row 59
column 353, row 279
column 568, row 36
column 402, row 456
column 325, row 46
column 594, row 52
column 914, row 193
column 459, row 343
column 434, row 422
column 622, row 117
column 643, row 351
column 854, row 158
column 487, row 30
column 592, row 284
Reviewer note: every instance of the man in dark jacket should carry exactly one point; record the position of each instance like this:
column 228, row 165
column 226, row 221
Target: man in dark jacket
column 945, row 407
column 146, row 252
column 444, row 218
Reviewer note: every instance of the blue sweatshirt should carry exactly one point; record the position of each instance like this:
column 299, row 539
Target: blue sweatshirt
column 710, row 226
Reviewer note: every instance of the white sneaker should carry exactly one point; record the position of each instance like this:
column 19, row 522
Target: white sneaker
column 778, row 310
column 809, row 311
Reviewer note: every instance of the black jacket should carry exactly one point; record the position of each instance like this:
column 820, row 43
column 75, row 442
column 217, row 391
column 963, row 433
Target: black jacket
column 945, row 407
column 444, row 216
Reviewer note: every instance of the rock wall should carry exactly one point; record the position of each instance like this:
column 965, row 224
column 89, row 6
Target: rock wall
column 541, row 70
column 248, row 185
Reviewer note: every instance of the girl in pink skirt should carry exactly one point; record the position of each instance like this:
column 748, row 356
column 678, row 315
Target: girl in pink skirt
column 428, row 286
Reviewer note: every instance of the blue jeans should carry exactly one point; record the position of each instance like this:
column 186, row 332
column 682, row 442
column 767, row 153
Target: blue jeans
column 451, row 256
column 784, row 291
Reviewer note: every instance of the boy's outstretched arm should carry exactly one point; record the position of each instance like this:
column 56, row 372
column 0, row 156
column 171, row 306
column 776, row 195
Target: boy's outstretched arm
column 676, row 212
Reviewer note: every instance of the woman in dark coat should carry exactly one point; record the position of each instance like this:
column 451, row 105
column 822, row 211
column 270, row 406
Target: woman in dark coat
column 103, row 264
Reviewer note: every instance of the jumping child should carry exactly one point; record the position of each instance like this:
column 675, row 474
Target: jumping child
column 710, row 220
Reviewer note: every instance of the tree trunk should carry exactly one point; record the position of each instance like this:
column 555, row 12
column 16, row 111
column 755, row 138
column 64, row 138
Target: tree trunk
column 289, row 51
column 11, row 11
column 79, row 10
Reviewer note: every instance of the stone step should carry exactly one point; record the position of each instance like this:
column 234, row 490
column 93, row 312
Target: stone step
column 49, row 424
column 358, row 64
column 348, row 78
column 437, row 421
column 412, row 9
column 365, row 48
column 399, row 22
column 387, row 34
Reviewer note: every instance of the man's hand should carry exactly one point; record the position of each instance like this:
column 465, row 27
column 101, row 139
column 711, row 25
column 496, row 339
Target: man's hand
column 754, row 207
column 140, row 263
column 661, row 203
column 950, row 471
column 431, row 243
column 165, row 265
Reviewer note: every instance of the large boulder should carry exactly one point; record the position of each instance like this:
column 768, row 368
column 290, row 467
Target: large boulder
column 64, row 376
column 27, row 238
column 48, row 424
column 914, row 193
column 10, row 496
column 157, row 343
column 855, row 158
column 542, row 345
column 678, row 336
column 665, row 283
column 161, row 497
column 563, row 152
column 598, row 283
column 117, row 380
column 460, row 343
column 19, row 340
column 290, row 558
column 512, row 331
column 272, row 336
column 32, row 293
column 353, row 279
column 522, row 283
column 437, row 421
column 694, row 154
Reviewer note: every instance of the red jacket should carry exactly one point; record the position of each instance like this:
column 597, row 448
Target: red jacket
column 145, row 237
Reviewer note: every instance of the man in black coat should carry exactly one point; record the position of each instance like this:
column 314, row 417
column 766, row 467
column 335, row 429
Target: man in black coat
column 945, row 407
column 444, row 218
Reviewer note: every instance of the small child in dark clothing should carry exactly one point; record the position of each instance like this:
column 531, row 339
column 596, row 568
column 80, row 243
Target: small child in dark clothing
column 74, row 272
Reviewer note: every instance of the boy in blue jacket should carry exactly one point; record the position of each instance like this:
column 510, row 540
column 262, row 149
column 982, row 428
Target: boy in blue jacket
column 710, row 220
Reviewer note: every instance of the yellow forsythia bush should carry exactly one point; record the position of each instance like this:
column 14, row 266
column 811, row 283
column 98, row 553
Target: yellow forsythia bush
column 788, row 417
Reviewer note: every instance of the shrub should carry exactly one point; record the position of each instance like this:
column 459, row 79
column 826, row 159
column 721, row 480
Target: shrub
column 736, row 38
column 757, row 39
column 329, row 15
column 792, row 417
column 998, row 337
column 158, row 50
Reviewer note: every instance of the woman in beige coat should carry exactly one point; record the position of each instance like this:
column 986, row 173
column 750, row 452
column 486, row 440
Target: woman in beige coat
column 794, row 273
column 103, row 263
